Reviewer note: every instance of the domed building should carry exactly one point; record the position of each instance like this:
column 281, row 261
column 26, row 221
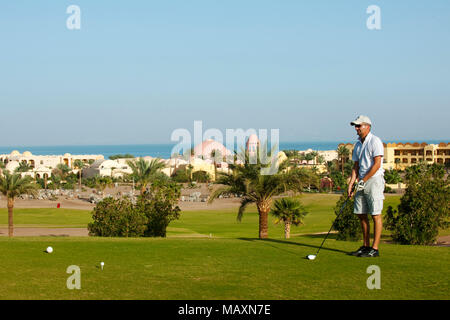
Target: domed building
column 204, row 149
column 12, row 165
column 110, row 168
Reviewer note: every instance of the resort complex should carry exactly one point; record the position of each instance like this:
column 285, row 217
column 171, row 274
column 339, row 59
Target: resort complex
column 402, row 155
column 41, row 166
column 212, row 157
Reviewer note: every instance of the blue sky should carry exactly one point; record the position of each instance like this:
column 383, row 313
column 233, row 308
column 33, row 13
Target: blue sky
column 137, row 70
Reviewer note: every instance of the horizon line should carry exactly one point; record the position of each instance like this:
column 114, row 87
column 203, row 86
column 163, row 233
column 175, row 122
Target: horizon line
column 175, row 143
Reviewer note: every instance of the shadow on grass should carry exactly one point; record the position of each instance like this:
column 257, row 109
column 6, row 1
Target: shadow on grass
column 269, row 241
column 334, row 236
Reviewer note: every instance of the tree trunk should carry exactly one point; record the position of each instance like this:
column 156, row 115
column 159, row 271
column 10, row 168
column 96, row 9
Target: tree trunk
column 287, row 229
column 263, row 210
column 10, row 217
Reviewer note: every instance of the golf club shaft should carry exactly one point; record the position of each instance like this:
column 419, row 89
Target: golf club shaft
column 332, row 225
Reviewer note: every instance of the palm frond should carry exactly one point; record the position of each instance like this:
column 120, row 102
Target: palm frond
column 244, row 203
column 224, row 190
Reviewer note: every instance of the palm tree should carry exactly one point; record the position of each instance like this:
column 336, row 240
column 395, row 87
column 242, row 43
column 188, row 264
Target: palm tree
column 290, row 211
column 144, row 172
column 12, row 186
column 248, row 181
column 103, row 182
column 189, row 169
column 23, row 167
column 320, row 159
column 80, row 165
column 392, row 176
column 314, row 154
column 343, row 154
column 61, row 170
column 397, row 161
column 309, row 157
column 216, row 155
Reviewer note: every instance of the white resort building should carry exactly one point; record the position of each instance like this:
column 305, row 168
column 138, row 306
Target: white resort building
column 42, row 165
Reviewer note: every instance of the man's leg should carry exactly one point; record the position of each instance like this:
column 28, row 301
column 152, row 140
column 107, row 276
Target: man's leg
column 378, row 226
column 365, row 226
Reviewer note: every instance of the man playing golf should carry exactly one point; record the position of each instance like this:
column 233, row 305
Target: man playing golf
column 368, row 169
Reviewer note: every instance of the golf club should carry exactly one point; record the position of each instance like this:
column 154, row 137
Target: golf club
column 313, row 256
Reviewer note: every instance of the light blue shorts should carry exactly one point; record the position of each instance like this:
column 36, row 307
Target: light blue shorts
column 370, row 200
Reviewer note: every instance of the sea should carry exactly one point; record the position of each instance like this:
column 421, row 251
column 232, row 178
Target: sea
column 163, row 151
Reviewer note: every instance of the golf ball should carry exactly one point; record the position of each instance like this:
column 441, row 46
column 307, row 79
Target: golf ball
column 49, row 250
column 311, row 257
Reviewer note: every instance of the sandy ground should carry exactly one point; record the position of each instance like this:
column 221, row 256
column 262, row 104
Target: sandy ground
column 85, row 205
column 46, row 232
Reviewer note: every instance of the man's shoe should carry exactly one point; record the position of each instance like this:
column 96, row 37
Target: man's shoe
column 361, row 250
column 371, row 253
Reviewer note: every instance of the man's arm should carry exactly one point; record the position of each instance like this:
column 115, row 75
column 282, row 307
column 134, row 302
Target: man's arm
column 355, row 171
column 376, row 165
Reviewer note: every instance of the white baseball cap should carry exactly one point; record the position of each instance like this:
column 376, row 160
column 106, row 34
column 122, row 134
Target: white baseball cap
column 361, row 119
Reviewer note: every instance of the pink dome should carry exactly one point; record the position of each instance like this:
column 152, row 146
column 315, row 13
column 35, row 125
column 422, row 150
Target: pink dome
column 206, row 147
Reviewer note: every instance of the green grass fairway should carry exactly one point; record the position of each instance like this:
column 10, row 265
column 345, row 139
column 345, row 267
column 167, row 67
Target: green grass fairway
column 204, row 268
column 231, row 264
column 47, row 217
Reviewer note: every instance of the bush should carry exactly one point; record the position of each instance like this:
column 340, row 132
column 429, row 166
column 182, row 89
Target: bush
column 117, row 218
column 338, row 179
column 423, row 209
column 148, row 217
column 347, row 224
column 121, row 156
column 159, row 206
column 392, row 176
column 180, row 176
column 201, row 176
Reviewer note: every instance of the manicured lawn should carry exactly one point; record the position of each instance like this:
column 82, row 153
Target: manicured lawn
column 203, row 268
column 47, row 217
column 231, row 264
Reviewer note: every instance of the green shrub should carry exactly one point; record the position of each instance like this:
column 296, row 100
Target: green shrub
column 148, row 217
column 201, row 176
column 121, row 156
column 180, row 176
column 423, row 209
column 392, row 176
column 338, row 179
column 347, row 223
column 117, row 218
column 160, row 207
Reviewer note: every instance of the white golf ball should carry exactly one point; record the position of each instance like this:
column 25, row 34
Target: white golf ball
column 311, row 256
column 49, row 250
